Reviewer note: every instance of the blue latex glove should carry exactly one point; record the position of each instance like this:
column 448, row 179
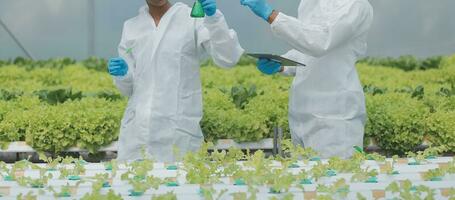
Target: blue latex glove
column 260, row 7
column 268, row 67
column 209, row 6
column 117, row 67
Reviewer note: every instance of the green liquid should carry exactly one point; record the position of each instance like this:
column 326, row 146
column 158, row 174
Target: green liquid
column 197, row 11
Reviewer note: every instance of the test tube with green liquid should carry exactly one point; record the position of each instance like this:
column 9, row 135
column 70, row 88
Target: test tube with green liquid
column 197, row 11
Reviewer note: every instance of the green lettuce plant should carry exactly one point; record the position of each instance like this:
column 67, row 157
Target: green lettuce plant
column 167, row 196
column 339, row 189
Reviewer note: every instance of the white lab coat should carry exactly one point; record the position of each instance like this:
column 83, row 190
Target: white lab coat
column 163, row 81
column 327, row 104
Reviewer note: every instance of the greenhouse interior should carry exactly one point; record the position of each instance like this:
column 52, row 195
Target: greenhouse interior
column 227, row 100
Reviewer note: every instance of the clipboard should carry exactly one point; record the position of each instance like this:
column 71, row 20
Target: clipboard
column 277, row 58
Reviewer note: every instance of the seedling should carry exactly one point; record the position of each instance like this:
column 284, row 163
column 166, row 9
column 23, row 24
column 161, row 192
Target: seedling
column 239, row 196
column 434, row 174
column 362, row 155
column 52, row 164
column 279, row 180
column 260, row 168
column 229, row 162
column 15, row 171
column 208, row 192
column 137, row 177
column 141, row 186
column 65, row 191
column 296, row 152
column 138, row 169
column 408, row 191
column 418, row 158
column 389, row 167
column 5, row 172
column 96, row 195
column 338, row 189
column 421, row 156
column 304, row 178
column 100, row 181
column 74, row 172
column 168, row 196
column 367, row 176
column 40, row 182
column 199, row 168
column 343, row 166
column 28, row 196
column 319, row 170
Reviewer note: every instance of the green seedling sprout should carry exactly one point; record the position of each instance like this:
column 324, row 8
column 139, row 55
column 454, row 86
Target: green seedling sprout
column 389, row 167
column 208, row 192
column 96, row 195
column 167, row 196
column 407, row 191
column 200, row 169
column 73, row 173
column 366, row 175
column 421, row 156
column 40, row 182
column 11, row 174
column 52, row 164
column 65, row 191
column 338, row 189
column 434, row 174
column 29, row 196
column 279, row 180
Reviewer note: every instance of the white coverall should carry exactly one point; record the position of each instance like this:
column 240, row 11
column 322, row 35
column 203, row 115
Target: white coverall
column 163, row 81
column 327, row 104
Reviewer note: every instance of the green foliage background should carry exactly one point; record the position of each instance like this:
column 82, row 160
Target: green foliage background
column 60, row 103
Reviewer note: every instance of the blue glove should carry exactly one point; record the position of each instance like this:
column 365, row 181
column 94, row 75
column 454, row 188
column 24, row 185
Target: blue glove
column 260, row 7
column 117, row 67
column 209, row 6
column 268, row 67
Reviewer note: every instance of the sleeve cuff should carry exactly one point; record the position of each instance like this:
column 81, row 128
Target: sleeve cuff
column 278, row 19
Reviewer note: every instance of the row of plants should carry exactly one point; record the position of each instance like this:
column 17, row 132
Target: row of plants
column 89, row 123
column 404, row 108
column 16, row 79
column 297, row 168
column 406, row 63
column 59, row 95
column 94, row 63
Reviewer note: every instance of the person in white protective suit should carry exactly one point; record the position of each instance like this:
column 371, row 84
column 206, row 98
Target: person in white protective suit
column 158, row 69
column 327, row 104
